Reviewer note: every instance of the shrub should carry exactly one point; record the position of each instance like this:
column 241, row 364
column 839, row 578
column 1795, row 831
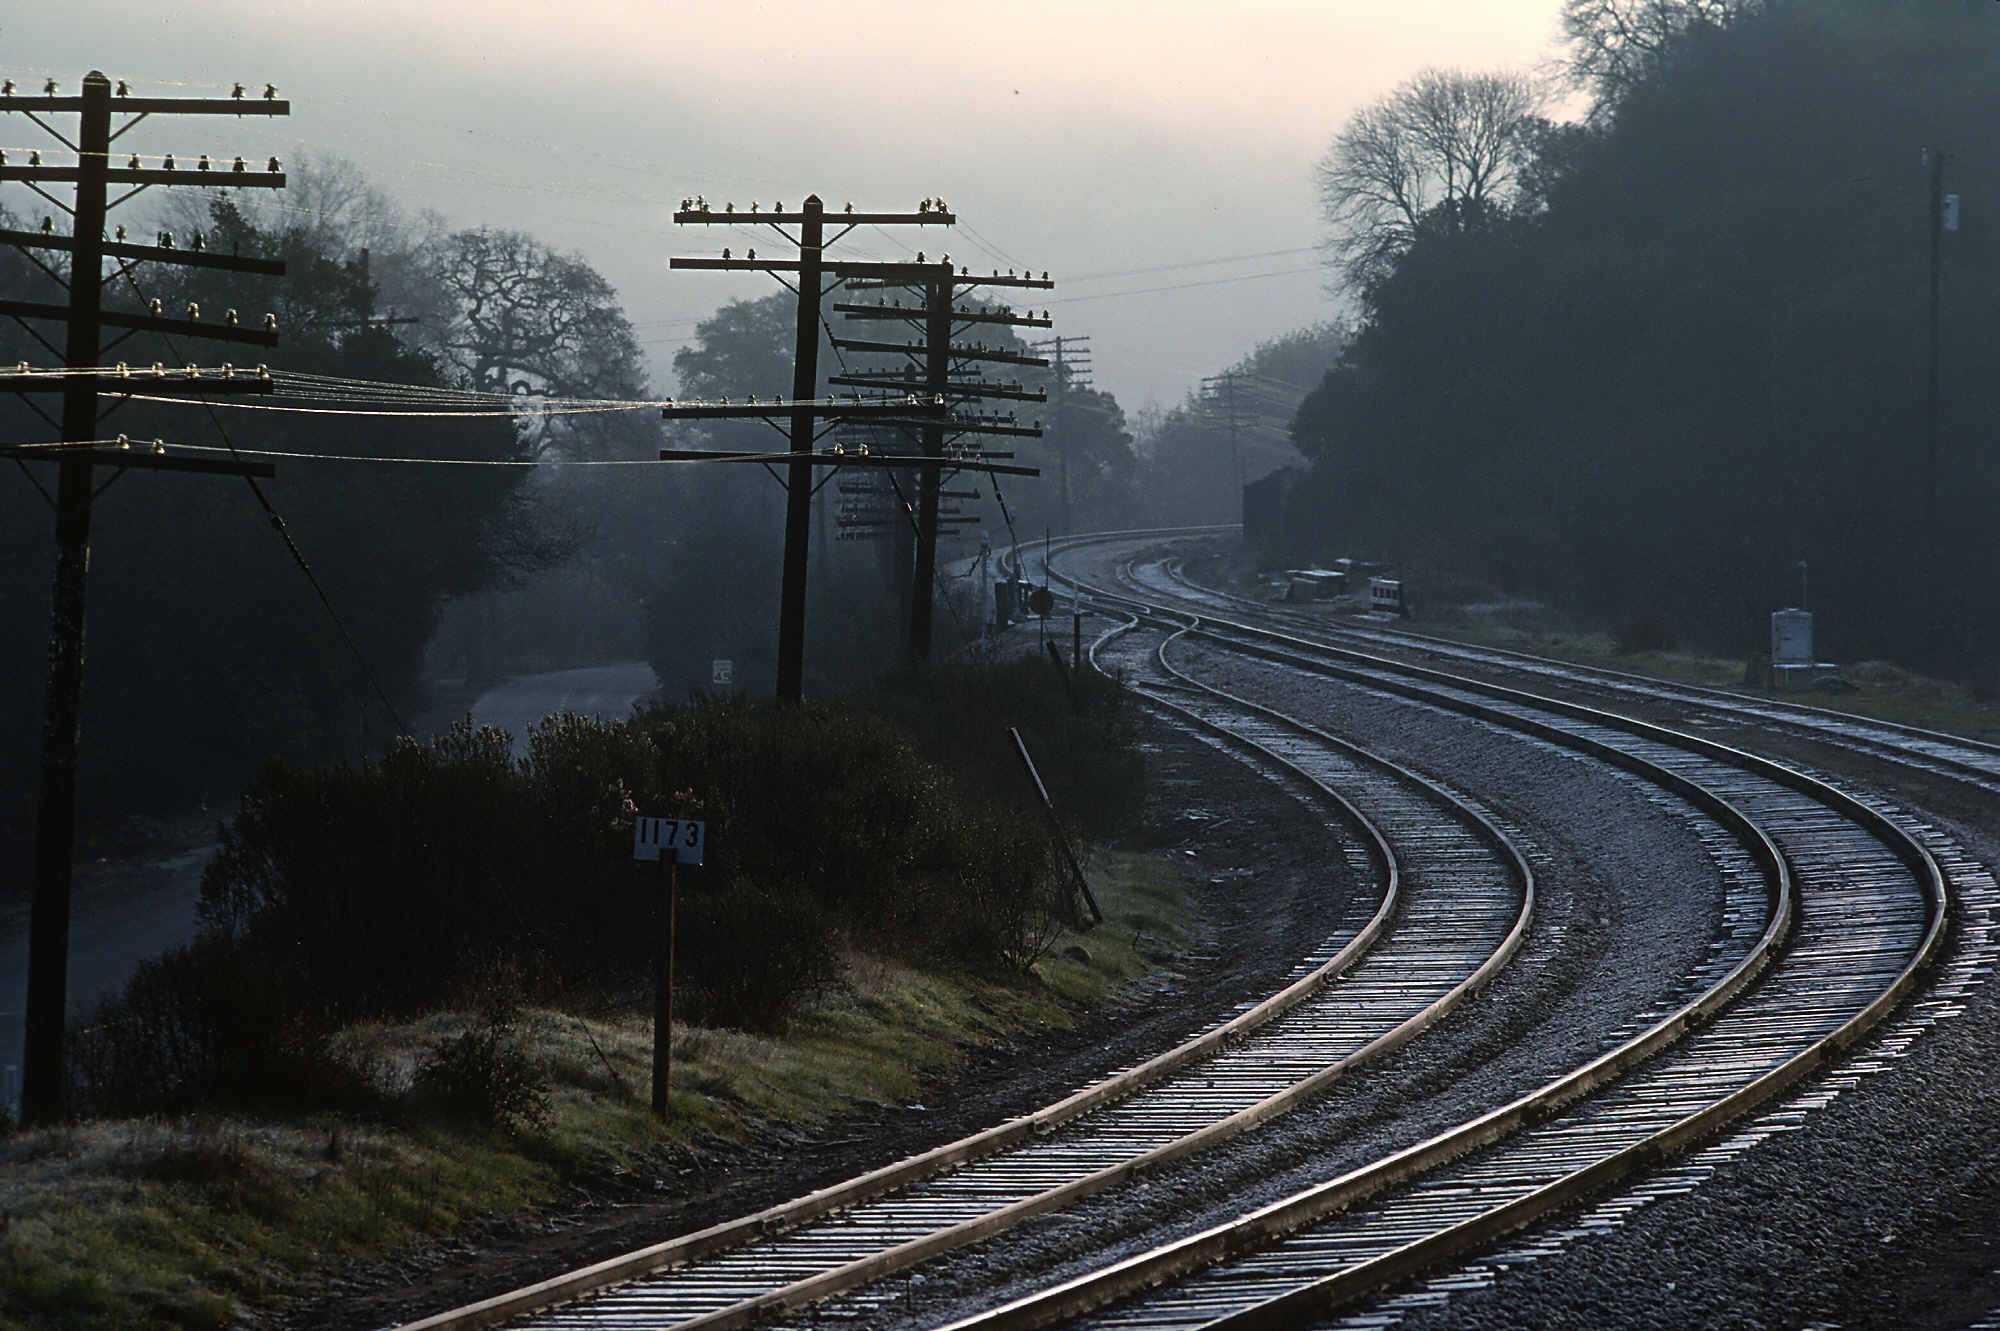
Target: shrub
column 1644, row 634
column 1081, row 738
column 448, row 871
column 483, row 1074
column 211, row 1021
column 748, row 955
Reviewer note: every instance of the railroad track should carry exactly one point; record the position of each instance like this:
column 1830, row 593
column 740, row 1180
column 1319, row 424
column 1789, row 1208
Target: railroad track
column 1971, row 761
column 1870, row 905
column 1831, row 868
column 1427, row 941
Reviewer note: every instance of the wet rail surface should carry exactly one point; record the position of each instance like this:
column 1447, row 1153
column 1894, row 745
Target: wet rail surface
column 1869, row 915
column 1428, row 940
column 1871, row 910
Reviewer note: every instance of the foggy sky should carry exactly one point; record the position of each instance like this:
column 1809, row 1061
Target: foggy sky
column 1153, row 155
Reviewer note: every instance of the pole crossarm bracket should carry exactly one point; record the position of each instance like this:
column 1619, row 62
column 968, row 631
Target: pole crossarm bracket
column 235, row 263
column 825, row 459
column 148, row 323
column 135, row 458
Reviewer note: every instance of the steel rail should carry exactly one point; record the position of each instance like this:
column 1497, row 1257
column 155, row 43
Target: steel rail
column 1206, row 1250
column 1954, row 755
column 1088, row 1291
column 642, row 1305
column 731, row 1236
column 647, row 1306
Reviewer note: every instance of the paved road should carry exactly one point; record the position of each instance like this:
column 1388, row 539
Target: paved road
column 120, row 912
column 606, row 691
column 126, row 911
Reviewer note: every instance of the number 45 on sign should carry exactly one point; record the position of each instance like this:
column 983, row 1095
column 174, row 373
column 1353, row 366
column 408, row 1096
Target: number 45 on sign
column 683, row 838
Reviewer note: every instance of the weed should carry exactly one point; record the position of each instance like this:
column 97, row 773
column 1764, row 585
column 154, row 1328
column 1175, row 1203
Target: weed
column 485, row 1075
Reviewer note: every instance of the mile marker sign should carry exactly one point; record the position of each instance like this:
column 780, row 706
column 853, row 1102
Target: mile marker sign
column 655, row 838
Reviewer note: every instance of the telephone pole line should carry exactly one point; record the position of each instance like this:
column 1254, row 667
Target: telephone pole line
column 905, row 407
column 80, row 382
column 1071, row 359
column 1221, row 389
column 946, row 376
column 811, row 269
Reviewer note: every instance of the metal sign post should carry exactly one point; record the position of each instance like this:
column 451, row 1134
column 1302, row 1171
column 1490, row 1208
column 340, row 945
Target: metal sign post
column 673, row 842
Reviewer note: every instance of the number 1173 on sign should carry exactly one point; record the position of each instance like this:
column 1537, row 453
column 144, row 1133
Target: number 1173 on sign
column 680, row 838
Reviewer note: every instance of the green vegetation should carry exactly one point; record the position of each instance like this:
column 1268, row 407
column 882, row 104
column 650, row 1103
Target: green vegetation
column 1881, row 689
column 448, row 874
column 185, row 1222
column 420, row 993
column 1658, row 358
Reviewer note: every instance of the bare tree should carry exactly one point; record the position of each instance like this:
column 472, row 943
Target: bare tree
column 1444, row 149
column 523, row 320
column 1615, row 45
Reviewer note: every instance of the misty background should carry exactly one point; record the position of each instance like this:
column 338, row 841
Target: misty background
column 1621, row 305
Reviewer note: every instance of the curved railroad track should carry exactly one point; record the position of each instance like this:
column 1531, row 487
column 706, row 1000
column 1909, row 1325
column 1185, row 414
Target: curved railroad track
column 1426, row 942
column 1864, row 935
column 1455, row 899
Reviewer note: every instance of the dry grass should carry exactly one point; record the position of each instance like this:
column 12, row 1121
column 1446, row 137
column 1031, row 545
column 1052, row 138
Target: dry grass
column 1882, row 689
column 148, row 1224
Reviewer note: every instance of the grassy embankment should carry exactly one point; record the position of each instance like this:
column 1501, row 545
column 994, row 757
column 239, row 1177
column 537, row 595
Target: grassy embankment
column 187, row 1218
column 150, row 1223
column 1882, row 690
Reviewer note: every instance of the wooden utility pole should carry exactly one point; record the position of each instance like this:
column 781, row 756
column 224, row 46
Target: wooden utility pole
column 1221, row 389
column 1936, row 156
column 1071, row 356
column 812, row 270
column 80, row 383
column 946, row 367
column 911, row 403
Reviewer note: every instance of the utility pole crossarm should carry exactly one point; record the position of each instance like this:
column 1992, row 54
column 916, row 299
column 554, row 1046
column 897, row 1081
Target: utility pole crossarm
column 848, row 269
column 149, row 323
column 235, row 263
column 135, row 459
column 135, row 385
column 125, row 175
column 959, row 391
column 958, row 317
column 708, row 216
column 179, row 106
column 977, row 425
column 956, row 352
column 827, row 409
column 873, row 461
column 963, row 278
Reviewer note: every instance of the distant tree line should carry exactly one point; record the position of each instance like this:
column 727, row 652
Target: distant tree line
column 449, row 875
column 1235, row 428
column 207, row 649
column 1645, row 364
